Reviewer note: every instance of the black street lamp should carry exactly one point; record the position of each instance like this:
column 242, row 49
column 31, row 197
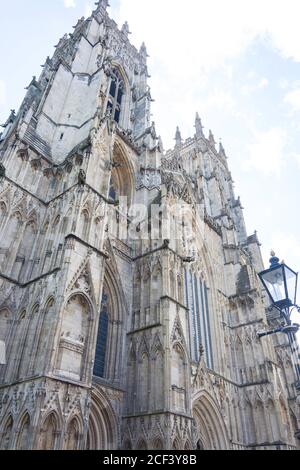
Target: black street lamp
column 280, row 282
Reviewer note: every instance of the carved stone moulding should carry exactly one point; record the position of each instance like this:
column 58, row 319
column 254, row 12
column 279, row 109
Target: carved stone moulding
column 149, row 179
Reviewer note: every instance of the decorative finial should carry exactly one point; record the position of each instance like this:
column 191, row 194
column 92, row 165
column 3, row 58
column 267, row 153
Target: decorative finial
column 198, row 126
column 160, row 144
column 274, row 261
column 178, row 137
column 221, row 149
column 211, row 139
column 32, row 83
column 153, row 130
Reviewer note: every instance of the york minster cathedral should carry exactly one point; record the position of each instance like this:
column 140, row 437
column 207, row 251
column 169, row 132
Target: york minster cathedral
column 127, row 326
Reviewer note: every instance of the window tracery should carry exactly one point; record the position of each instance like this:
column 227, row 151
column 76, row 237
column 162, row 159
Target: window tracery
column 115, row 96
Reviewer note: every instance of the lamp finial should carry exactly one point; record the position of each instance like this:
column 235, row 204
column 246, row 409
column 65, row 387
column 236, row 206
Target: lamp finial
column 274, row 261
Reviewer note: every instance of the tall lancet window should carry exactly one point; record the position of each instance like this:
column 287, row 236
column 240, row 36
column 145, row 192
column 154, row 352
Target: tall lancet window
column 197, row 300
column 115, row 97
column 99, row 366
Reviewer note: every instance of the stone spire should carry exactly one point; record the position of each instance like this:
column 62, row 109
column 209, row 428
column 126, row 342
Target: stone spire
column 178, row 137
column 211, row 139
column 198, row 126
column 222, row 150
column 160, row 144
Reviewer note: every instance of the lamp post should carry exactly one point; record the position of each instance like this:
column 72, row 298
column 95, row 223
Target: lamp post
column 280, row 282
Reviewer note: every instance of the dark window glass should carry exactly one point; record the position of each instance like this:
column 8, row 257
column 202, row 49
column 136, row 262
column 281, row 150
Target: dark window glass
column 99, row 367
column 113, row 88
column 109, row 106
column 112, row 193
column 117, row 115
column 120, row 96
column 115, row 98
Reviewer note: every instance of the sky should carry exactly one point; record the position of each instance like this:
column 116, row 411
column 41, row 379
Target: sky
column 235, row 62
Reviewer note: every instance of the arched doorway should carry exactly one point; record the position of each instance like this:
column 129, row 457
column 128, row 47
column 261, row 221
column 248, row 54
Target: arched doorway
column 210, row 430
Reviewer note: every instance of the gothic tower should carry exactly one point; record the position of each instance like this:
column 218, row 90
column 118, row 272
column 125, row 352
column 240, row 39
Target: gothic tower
column 129, row 300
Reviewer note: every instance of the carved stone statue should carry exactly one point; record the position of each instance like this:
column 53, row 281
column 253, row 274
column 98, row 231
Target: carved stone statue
column 82, row 178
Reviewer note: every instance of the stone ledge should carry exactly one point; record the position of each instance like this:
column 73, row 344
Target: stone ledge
column 26, row 284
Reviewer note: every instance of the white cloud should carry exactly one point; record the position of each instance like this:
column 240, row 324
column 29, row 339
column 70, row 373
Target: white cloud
column 189, row 42
column 287, row 248
column 69, row 3
column 219, row 100
column 297, row 158
column 267, row 153
column 2, row 92
column 263, row 83
column 214, row 29
column 248, row 89
column 88, row 10
column 293, row 99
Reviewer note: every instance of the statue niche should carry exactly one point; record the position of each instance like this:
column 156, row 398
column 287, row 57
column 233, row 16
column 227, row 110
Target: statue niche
column 73, row 340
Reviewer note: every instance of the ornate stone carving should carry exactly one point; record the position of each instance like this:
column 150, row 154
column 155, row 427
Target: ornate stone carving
column 81, row 177
column 149, row 178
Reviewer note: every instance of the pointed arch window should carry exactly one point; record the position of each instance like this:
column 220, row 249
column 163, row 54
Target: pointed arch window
column 197, row 300
column 99, row 366
column 115, row 97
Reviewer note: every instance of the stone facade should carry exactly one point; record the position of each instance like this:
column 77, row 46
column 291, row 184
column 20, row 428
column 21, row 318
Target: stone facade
column 116, row 339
